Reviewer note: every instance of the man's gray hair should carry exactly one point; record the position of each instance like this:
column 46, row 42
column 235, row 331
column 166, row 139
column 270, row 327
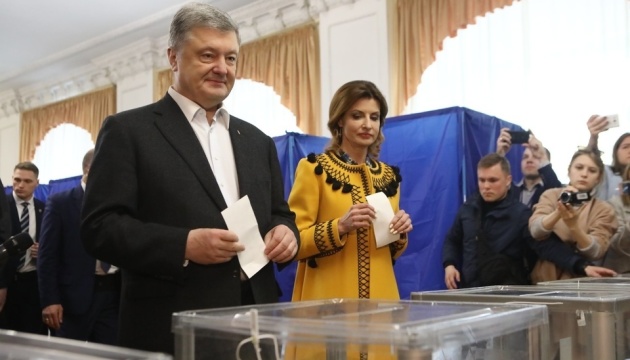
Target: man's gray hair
column 198, row 14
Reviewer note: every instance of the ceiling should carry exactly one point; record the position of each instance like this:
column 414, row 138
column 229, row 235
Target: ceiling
column 43, row 40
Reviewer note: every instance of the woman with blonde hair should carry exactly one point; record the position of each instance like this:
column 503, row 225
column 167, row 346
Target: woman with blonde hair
column 574, row 215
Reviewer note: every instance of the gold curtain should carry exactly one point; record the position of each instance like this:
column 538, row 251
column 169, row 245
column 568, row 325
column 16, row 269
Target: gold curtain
column 422, row 27
column 288, row 62
column 163, row 80
column 86, row 111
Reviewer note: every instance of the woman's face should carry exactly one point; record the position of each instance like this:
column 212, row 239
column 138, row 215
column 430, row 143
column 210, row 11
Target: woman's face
column 623, row 153
column 584, row 173
column 361, row 123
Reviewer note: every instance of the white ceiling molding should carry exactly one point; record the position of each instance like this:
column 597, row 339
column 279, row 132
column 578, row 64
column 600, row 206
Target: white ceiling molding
column 10, row 103
column 259, row 19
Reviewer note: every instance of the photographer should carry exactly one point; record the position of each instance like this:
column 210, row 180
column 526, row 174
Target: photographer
column 538, row 174
column 574, row 216
column 618, row 255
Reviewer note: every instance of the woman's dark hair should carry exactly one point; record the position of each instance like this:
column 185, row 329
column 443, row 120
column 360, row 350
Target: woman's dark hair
column 616, row 166
column 345, row 97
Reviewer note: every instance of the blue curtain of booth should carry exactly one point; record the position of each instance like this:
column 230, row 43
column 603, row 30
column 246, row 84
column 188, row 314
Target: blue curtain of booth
column 437, row 153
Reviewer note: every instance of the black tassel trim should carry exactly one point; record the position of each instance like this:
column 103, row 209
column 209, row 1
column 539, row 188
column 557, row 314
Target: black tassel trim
column 319, row 170
column 311, row 263
column 336, row 185
column 396, row 170
column 346, row 188
column 329, row 179
column 311, row 158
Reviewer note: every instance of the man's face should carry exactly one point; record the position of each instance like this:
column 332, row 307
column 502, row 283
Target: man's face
column 24, row 183
column 205, row 66
column 530, row 165
column 493, row 183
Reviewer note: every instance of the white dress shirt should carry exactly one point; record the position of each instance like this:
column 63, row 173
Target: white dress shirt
column 215, row 141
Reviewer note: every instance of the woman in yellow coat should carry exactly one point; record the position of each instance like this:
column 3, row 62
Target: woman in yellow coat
column 338, row 256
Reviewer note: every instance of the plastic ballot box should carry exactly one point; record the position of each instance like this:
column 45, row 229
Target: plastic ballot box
column 583, row 323
column 339, row 329
column 616, row 283
column 23, row 346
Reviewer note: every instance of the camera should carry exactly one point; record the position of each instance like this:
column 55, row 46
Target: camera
column 574, row 198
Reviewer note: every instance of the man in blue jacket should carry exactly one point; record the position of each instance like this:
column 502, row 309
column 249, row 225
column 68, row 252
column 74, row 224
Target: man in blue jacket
column 79, row 294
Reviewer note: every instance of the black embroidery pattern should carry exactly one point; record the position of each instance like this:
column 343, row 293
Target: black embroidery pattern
column 324, row 236
column 363, row 246
column 337, row 172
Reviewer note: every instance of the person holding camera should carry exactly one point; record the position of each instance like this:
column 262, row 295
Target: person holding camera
column 538, row 175
column 618, row 255
column 576, row 217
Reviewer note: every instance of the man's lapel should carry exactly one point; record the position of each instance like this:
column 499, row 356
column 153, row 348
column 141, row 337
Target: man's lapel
column 173, row 125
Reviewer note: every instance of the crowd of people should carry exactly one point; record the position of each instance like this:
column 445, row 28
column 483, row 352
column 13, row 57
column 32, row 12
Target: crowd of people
column 144, row 235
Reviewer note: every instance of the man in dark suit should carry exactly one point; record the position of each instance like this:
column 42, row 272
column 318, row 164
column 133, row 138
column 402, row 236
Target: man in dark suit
column 79, row 295
column 161, row 176
column 538, row 175
column 18, row 284
column 5, row 218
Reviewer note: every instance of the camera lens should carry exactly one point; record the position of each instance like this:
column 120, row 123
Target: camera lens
column 565, row 197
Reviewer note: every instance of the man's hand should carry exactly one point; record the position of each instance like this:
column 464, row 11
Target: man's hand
column 598, row 271
column 451, row 277
column 34, row 250
column 504, row 142
column 280, row 244
column 52, row 316
column 538, row 150
column 212, row 246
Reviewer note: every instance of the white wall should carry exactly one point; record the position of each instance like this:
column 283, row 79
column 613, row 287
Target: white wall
column 354, row 46
column 353, row 43
column 9, row 146
column 135, row 90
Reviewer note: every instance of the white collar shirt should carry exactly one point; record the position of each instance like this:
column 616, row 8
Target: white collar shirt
column 215, row 141
column 32, row 228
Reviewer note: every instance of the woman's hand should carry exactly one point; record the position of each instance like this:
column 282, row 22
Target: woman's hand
column 568, row 213
column 596, row 124
column 359, row 215
column 401, row 223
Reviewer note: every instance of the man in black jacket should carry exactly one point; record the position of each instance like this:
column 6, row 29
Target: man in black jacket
column 538, row 175
column 491, row 229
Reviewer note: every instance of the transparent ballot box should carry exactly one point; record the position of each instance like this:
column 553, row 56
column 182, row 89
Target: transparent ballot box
column 617, row 283
column 339, row 329
column 21, row 346
column 583, row 323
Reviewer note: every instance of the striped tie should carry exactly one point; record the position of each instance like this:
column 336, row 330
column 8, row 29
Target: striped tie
column 24, row 225
column 24, row 218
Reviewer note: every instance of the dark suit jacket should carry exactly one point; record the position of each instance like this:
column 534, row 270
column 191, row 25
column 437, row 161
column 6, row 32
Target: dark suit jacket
column 65, row 270
column 14, row 261
column 5, row 218
column 550, row 181
column 150, row 183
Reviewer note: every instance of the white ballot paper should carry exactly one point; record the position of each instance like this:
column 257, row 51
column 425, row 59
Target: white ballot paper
column 240, row 219
column 384, row 215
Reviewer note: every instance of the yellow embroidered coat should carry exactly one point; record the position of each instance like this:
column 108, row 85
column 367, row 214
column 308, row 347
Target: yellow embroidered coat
column 350, row 266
